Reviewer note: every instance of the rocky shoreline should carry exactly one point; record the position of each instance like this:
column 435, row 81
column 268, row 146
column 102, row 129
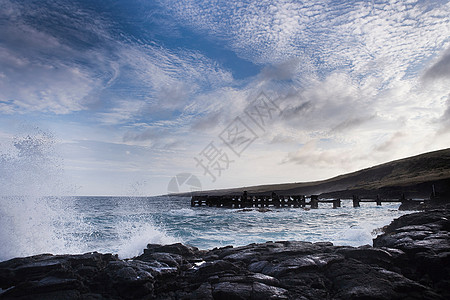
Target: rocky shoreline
column 410, row 260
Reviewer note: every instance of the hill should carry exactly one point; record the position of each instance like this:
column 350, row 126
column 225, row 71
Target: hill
column 414, row 176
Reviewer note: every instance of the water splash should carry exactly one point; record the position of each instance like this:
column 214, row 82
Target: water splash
column 134, row 237
column 30, row 167
column 34, row 217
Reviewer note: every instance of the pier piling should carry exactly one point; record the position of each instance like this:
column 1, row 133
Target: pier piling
column 378, row 200
column 356, row 201
column 336, row 203
column 314, row 201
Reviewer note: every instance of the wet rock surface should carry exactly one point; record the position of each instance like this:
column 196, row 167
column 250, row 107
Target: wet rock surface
column 411, row 260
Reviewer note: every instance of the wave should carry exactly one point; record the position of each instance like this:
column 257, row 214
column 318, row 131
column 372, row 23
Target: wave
column 186, row 212
column 354, row 236
column 134, row 237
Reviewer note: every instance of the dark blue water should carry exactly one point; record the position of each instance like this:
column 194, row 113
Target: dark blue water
column 125, row 225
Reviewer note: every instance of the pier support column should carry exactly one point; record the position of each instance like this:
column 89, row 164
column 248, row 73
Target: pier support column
column 336, row 203
column 378, row 200
column 302, row 201
column 403, row 200
column 228, row 202
column 356, row 201
column 314, row 201
column 276, row 202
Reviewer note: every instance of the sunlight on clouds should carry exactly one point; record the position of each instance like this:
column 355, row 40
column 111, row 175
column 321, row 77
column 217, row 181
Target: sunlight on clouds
column 358, row 83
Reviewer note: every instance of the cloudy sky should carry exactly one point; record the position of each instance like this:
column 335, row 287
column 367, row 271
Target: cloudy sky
column 236, row 93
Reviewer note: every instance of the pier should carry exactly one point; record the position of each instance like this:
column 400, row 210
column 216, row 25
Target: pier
column 278, row 201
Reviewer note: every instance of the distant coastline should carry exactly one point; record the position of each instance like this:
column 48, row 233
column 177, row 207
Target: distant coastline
column 415, row 177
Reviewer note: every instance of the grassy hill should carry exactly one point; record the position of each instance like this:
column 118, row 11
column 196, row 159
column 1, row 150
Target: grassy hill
column 413, row 176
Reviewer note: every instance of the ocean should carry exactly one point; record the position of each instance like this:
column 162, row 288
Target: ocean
column 125, row 225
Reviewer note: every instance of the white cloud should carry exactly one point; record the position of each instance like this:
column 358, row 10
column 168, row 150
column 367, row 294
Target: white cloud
column 122, row 112
column 388, row 38
column 165, row 80
column 47, row 67
column 41, row 70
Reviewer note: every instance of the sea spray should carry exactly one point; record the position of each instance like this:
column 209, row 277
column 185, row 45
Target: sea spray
column 33, row 217
column 136, row 228
column 134, row 238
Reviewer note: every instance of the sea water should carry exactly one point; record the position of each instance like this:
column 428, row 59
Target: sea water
column 33, row 223
column 125, row 225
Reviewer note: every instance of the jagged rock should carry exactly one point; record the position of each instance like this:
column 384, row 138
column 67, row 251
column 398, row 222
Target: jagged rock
column 204, row 292
column 355, row 280
column 263, row 291
column 170, row 259
column 178, row 248
column 220, row 268
column 231, row 291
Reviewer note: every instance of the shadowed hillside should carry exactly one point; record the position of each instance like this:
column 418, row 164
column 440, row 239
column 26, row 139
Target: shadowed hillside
column 413, row 176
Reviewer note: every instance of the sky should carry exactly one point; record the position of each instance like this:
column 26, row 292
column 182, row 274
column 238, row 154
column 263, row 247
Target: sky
column 124, row 97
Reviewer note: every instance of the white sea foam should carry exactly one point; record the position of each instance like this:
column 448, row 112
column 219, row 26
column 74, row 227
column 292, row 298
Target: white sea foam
column 134, row 237
column 354, row 236
column 365, row 230
column 187, row 212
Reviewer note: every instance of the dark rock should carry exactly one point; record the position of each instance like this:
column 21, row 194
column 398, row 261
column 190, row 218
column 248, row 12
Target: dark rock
column 263, row 291
column 170, row 259
column 219, row 267
column 298, row 264
column 156, row 268
column 368, row 255
column 424, row 239
column 411, row 205
column 432, row 217
column 177, row 248
column 269, row 280
column 60, row 295
column 258, row 266
column 241, row 256
column 231, row 291
column 354, row 280
column 204, row 292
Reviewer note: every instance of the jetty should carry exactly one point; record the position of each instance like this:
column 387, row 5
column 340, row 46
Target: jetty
column 278, row 201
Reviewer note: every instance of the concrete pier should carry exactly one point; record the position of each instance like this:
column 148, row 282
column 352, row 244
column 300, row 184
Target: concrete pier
column 280, row 201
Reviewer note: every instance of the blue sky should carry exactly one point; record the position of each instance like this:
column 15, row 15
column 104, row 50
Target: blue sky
column 133, row 92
